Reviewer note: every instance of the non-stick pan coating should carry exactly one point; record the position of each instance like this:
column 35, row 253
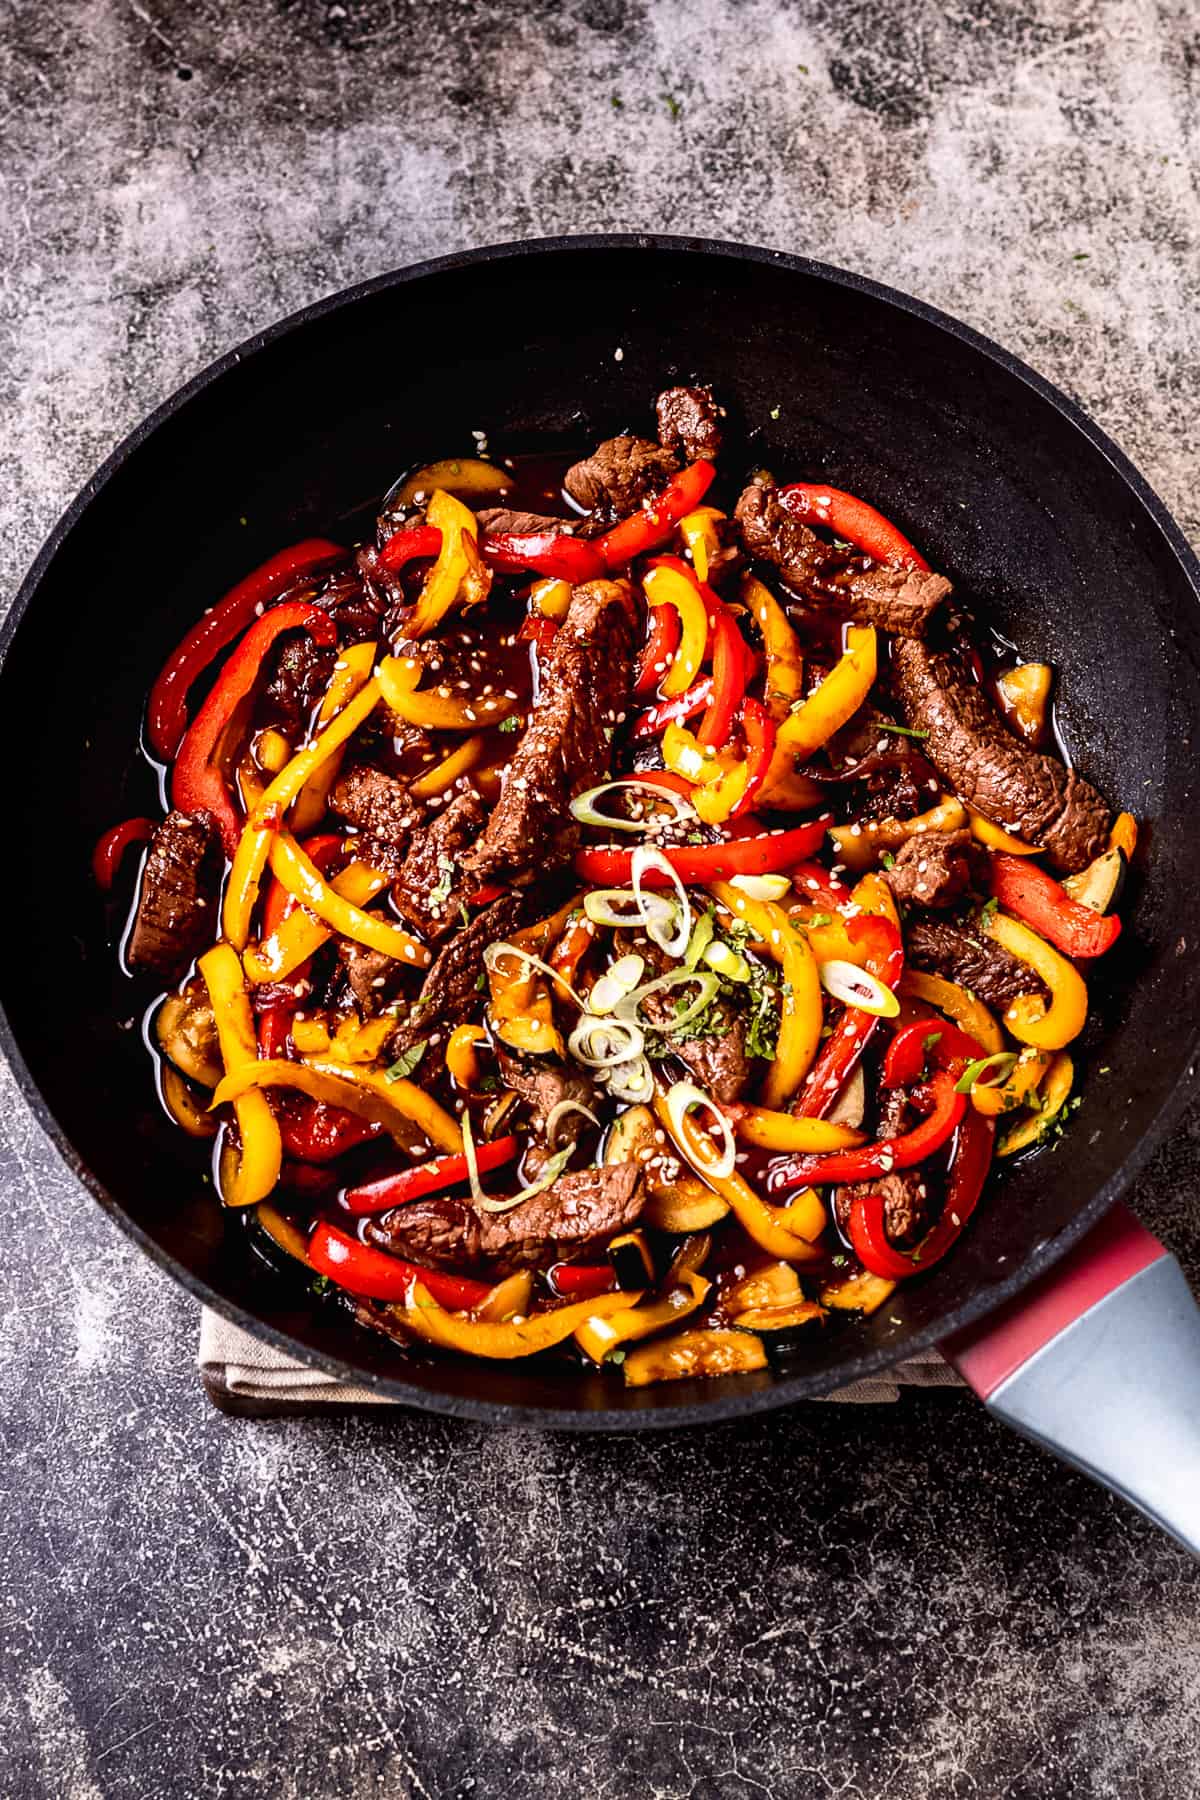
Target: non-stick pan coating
column 1039, row 521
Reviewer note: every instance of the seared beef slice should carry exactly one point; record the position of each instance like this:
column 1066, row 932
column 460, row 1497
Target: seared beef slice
column 176, row 911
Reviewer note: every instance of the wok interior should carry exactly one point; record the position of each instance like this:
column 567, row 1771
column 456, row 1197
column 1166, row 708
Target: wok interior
column 1005, row 495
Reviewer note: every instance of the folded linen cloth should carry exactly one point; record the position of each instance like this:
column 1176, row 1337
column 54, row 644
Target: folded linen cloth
column 236, row 1367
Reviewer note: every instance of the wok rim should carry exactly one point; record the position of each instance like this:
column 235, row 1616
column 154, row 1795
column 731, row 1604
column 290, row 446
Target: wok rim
column 724, row 1406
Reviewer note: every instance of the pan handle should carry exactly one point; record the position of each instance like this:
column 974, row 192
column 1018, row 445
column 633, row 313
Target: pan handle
column 1100, row 1362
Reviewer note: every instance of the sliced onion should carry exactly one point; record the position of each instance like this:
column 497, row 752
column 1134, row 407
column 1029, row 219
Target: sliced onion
column 632, row 1081
column 603, row 1043
column 560, row 1112
column 858, row 987
column 761, row 887
column 630, row 1009
column 583, row 807
column 988, row 1071
column 623, row 910
column 680, row 1100
column 616, row 982
column 642, row 860
column 726, row 961
column 494, row 952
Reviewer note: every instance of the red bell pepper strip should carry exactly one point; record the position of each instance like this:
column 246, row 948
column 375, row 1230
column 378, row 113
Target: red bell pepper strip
column 166, row 711
column 763, row 854
column 196, row 781
column 408, row 544
column 106, row 857
column 820, row 887
column 568, row 954
column 375, row 1275
column 426, row 1178
column 970, row 1160
column 676, row 711
column 317, row 1133
column 581, row 1281
column 729, row 681
column 1044, row 903
column 854, row 1030
column 274, row 1026
column 653, row 525
column 661, row 644
column 945, row 1110
column 555, row 553
column 932, row 1041
column 850, row 518
column 538, row 631
column 485, row 895
column 758, row 729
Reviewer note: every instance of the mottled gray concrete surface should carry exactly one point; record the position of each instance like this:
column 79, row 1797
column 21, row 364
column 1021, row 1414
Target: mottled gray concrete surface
column 905, row 1603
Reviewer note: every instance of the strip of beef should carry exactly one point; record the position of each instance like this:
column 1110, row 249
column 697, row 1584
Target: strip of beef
column 950, row 948
column 450, row 992
column 580, row 1213
column 901, row 601
column 299, row 678
column 619, row 474
column 428, row 890
column 374, row 977
column 176, row 910
column 565, row 748
column 689, row 420
column 543, row 1083
column 936, row 868
column 891, row 777
column 1019, row 789
column 905, row 1195
column 718, row 1060
column 381, row 809
column 502, row 520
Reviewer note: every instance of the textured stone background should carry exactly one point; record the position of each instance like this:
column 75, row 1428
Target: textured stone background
column 836, row 1601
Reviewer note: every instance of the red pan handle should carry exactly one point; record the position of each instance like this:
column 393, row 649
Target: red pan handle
column 1100, row 1362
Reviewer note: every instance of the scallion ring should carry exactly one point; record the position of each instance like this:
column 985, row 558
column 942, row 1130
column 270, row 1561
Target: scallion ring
column 1001, row 1064
column 602, row 1043
column 681, row 1099
column 858, row 987
column 724, row 960
column 584, row 808
column 616, row 982
column 644, row 859
column 494, row 952
column 632, row 1081
column 623, row 910
column 761, row 887
column 630, row 1009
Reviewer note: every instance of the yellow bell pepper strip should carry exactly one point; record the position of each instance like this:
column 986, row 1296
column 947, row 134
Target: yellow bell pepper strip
column 949, row 998
column 873, row 896
column 272, row 751
column 519, row 1008
column 779, row 1318
column 458, row 570
column 802, row 1009
column 828, row 708
column 858, row 847
column 984, row 832
column 354, row 1042
column 1056, row 1087
column 785, row 1231
column 1025, row 695
column 301, row 877
column 670, row 582
column 310, row 1036
column 437, row 709
column 685, row 755
column 784, row 682
column 1028, row 1019
column 694, row 1355
column 396, row 1105
column 601, row 1334
column 461, row 1059
column 994, row 1098
column 503, row 1341
column 1123, row 835
column 183, row 1106
column 740, row 785
column 350, row 674
column 443, row 775
column 297, row 936
column 551, row 598
column 281, row 1230
column 784, row 1131
column 261, row 1154
column 510, row 1298
column 698, row 530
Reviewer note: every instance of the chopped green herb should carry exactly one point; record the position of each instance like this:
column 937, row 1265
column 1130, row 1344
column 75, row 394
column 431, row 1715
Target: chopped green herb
column 616, row 102
column 987, row 909
column 481, row 983
column 488, row 1084
column 616, row 1356
column 818, row 919
column 512, row 723
column 441, row 892
column 928, row 1043
column 888, row 860
column 1081, row 256
column 775, row 410
column 674, row 105
column 404, row 1064
column 463, row 914
column 803, row 68
column 695, row 837
column 320, row 1285
column 903, row 731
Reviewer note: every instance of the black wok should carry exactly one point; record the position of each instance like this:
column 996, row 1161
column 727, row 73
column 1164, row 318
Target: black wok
column 1039, row 520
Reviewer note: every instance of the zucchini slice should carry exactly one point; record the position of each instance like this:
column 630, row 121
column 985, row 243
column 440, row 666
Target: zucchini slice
column 633, row 1265
column 859, row 1292
column 1036, row 1127
column 1099, row 885
column 694, row 1354
column 685, row 1206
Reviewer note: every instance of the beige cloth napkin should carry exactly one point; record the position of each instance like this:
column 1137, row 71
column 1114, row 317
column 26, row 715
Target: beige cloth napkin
column 242, row 1366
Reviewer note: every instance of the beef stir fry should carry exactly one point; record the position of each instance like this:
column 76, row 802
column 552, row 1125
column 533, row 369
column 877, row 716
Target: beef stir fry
column 628, row 930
